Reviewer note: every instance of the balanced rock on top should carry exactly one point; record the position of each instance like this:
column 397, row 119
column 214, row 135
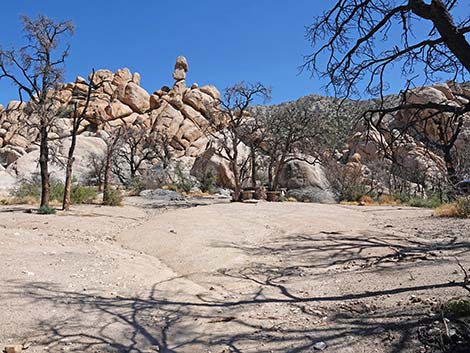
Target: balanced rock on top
column 181, row 68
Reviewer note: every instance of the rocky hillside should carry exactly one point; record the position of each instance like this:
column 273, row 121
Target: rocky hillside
column 347, row 134
column 179, row 112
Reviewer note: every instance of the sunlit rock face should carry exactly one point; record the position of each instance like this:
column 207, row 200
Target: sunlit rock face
column 180, row 113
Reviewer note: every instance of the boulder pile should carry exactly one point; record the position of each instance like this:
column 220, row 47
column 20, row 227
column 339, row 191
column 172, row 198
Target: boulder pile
column 411, row 153
column 179, row 113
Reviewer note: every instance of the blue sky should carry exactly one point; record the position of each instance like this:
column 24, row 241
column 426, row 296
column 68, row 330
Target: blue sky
column 225, row 41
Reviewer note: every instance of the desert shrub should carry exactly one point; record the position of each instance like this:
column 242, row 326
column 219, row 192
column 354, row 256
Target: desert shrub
column 463, row 206
column 388, row 200
column 348, row 184
column 183, row 183
column 208, row 182
column 401, row 197
column 4, row 202
column 83, row 194
column 457, row 308
column 28, row 191
column 367, row 200
column 46, row 210
column 353, row 192
column 447, row 210
column 431, row 201
column 136, row 186
column 460, row 208
column 424, row 202
column 115, row 198
column 27, row 188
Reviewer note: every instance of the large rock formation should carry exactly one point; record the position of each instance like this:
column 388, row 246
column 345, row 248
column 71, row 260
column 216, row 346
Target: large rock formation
column 87, row 146
column 6, row 182
column 179, row 112
column 299, row 174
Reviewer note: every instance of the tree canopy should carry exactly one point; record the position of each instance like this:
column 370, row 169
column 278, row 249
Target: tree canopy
column 357, row 43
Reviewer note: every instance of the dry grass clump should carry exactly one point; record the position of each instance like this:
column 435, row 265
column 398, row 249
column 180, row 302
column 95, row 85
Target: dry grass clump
column 389, row 200
column 20, row 200
column 397, row 199
column 459, row 208
column 198, row 194
column 447, row 210
column 366, row 200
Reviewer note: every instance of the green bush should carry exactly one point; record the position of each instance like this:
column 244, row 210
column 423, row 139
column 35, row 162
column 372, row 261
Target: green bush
column 208, row 182
column 432, row 201
column 46, row 210
column 186, row 185
column 114, row 198
column 83, row 194
column 28, row 188
column 31, row 189
column 429, row 202
column 457, row 308
column 463, row 206
column 136, row 185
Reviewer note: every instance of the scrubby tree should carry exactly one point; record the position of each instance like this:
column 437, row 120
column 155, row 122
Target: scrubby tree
column 230, row 122
column 37, row 71
column 95, row 174
column 359, row 44
column 287, row 133
column 113, row 141
column 139, row 145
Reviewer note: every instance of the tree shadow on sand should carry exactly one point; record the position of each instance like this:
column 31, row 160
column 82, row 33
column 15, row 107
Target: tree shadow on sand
column 367, row 250
column 158, row 323
column 273, row 315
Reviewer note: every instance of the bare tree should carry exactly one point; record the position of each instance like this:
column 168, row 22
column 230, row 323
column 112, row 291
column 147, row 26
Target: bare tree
column 231, row 122
column 95, row 174
column 356, row 48
column 287, row 133
column 112, row 145
column 37, row 70
column 138, row 146
column 79, row 106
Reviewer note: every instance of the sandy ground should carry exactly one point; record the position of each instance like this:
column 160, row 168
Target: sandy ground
column 266, row 277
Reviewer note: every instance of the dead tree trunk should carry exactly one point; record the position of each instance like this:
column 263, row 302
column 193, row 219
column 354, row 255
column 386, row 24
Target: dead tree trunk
column 237, row 187
column 107, row 178
column 77, row 119
column 110, row 151
column 450, row 166
column 43, row 163
column 69, row 173
column 253, row 167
